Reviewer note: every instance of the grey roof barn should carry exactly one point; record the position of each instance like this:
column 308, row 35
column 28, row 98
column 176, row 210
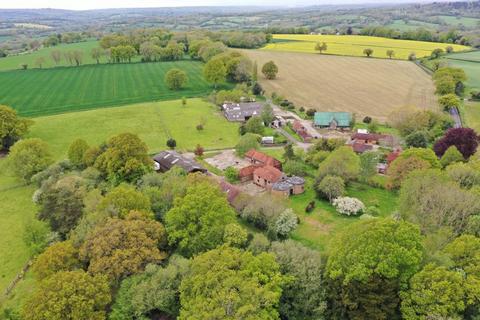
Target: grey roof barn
column 241, row 111
column 165, row 160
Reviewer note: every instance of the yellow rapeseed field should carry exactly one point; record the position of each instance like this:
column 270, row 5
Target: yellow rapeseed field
column 354, row 45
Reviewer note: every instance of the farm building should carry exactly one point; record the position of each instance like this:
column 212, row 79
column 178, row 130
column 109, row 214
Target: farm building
column 166, row 160
column 268, row 140
column 258, row 158
column 332, row 120
column 241, row 112
column 231, row 191
column 266, row 172
column 371, row 138
column 300, row 129
column 290, row 186
column 360, row 147
column 266, row 176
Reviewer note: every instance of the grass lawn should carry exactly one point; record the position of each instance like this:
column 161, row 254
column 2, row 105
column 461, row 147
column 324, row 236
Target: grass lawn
column 317, row 228
column 16, row 210
column 154, row 122
column 51, row 91
column 381, row 128
column 15, row 61
column 471, row 112
column 353, row 45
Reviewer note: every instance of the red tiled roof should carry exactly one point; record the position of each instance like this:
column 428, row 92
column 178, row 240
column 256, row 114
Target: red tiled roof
column 247, row 171
column 297, row 125
column 369, row 136
column 361, row 147
column 392, row 156
column 262, row 157
column 269, row 173
column 231, row 191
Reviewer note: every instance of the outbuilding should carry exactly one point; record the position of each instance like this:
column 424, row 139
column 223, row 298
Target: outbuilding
column 167, row 159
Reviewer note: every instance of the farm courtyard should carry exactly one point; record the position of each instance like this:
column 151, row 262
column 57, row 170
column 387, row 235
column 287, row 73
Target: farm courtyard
column 332, row 83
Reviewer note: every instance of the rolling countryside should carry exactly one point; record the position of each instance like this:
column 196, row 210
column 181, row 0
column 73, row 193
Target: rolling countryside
column 239, row 161
column 30, row 59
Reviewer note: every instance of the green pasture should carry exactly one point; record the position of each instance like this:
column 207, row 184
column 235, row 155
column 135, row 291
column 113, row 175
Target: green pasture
column 154, row 122
column 410, row 25
column 16, row 61
column 49, row 91
column 471, row 64
column 16, row 210
column 465, row 21
column 471, row 113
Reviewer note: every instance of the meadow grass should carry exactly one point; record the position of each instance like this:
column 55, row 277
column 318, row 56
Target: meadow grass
column 317, row 228
column 16, row 61
column 16, row 210
column 465, row 21
column 400, row 25
column 353, row 45
column 50, row 91
column 470, row 62
column 471, row 113
column 154, row 122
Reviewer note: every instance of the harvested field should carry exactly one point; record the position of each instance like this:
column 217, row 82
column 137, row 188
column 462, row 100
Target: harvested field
column 370, row 87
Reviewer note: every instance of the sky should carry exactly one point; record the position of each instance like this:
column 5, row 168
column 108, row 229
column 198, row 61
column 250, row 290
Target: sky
column 101, row 4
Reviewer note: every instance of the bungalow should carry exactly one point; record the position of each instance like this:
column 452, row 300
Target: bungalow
column 258, row 159
column 241, row 112
column 166, row 160
column 332, row 120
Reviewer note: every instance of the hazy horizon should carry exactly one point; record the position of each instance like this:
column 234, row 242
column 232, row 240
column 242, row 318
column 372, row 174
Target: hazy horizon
column 111, row 4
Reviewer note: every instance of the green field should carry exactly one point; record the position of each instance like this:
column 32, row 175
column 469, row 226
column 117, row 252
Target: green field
column 15, row 62
column 16, row 209
column 471, row 112
column 354, row 45
column 154, row 122
column 400, row 25
column 470, row 62
column 49, row 91
column 465, row 21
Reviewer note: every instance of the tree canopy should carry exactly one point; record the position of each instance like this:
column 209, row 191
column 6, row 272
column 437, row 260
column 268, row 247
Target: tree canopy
column 119, row 248
column 69, row 295
column 124, row 159
column 228, row 283
column 29, row 156
column 197, row 221
column 12, row 127
column 176, row 79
